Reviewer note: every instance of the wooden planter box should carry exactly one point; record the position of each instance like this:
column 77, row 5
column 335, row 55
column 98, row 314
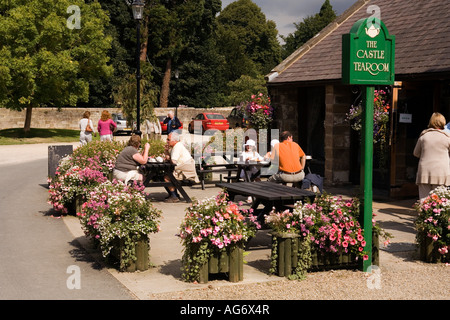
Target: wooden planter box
column 428, row 252
column 75, row 205
column 287, row 257
column 231, row 262
column 142, row 254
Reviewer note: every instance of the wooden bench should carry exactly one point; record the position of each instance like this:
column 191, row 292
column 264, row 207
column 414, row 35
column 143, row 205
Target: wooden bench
column 229, row 166
column 229, row 169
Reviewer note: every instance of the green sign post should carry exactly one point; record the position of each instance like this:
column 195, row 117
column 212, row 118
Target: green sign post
column 367, row 60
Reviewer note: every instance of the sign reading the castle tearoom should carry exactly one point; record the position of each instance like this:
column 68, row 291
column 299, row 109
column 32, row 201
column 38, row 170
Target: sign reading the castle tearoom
column 368, row 54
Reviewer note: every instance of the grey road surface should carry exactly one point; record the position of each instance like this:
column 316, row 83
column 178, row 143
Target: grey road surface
column 39, row 258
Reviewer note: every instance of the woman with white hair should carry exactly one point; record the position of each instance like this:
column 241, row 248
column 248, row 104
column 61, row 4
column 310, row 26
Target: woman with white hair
column 184, row 165
column 172, row 122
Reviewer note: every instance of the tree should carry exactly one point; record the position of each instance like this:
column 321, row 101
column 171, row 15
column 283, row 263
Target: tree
column 308, row 28
column 243, row 88
column 171, row 29
column 122, row 30
column 200, row 64
column 125, row 94
column 43, row 62
column 247, row 39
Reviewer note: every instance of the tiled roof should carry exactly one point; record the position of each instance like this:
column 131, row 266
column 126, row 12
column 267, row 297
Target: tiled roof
column 422, row 41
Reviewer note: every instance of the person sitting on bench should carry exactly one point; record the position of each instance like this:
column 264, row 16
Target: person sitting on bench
column 291, row 160
column 129, row 160
column 184, row 164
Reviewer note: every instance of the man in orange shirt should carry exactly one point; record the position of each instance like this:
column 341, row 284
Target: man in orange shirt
column 291, row 159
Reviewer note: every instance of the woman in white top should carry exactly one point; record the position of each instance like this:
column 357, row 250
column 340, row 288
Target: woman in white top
column 85, row 133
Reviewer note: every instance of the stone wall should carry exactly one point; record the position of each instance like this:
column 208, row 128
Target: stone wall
column 285, row 103
column 337, row 134
column 67, row 118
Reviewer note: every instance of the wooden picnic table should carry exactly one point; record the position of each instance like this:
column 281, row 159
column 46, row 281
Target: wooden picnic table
column 229, row 167
column 269, row 194
column 154, row 173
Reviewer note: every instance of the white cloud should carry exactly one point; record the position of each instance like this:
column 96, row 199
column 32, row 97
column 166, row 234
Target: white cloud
column 287, row 12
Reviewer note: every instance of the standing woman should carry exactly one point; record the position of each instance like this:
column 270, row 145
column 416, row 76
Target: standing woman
column 433, row 149
column 86, row 128
column 106, row 126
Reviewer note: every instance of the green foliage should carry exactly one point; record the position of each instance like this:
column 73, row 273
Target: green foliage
column 244, row 87
column 252, row 37
column 308, row 28
column 125, row 94
column 43, row 62
column 122, row 30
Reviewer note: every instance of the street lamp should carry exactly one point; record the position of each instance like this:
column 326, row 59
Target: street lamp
column 138, row 13
column 177, row 74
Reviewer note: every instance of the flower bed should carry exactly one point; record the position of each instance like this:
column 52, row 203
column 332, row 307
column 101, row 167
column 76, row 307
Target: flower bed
column 77, row 174
column 210, row 228
column 433, row 225
column 321, row 235
column 116, row 216
column 119, row 215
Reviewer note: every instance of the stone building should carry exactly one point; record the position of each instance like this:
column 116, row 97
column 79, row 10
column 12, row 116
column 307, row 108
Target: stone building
column 311, row 101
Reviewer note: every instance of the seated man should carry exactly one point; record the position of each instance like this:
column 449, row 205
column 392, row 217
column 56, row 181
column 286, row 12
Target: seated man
column 185, row 165
column 129, row 160
column 291, row 160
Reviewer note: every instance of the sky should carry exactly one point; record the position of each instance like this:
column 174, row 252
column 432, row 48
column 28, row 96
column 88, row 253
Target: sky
column 286, row 12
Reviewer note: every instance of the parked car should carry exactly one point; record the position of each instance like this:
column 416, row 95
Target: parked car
column 209, row 121
column 164, row 125
column 238, row 119
column 122, row 124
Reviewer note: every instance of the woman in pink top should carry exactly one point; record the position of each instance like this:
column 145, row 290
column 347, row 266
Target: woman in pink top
column 104, row 126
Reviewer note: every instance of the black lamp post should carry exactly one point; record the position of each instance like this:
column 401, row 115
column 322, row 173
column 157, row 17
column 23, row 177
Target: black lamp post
column 177, row 74
column 138, row 13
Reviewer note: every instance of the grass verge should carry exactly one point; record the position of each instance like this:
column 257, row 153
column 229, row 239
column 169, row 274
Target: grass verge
column 18, row 136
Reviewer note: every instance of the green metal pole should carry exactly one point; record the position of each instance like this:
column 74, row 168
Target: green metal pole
column 367, row 172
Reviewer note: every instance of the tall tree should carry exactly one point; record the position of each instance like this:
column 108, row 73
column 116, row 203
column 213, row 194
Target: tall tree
column 200, row 64
column 171, row 26
column 308, row 28
column 122, row 30
column 248, row 39
column 43, row 62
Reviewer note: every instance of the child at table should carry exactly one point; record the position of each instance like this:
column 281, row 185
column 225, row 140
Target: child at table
column 251, row 155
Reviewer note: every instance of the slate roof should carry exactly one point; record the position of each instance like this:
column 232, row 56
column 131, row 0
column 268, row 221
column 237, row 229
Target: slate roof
column 422, row 45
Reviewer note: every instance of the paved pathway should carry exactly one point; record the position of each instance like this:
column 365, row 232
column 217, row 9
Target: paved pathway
column 36, row 249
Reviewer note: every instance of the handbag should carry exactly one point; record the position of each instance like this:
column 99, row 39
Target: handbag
column 88, row 128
